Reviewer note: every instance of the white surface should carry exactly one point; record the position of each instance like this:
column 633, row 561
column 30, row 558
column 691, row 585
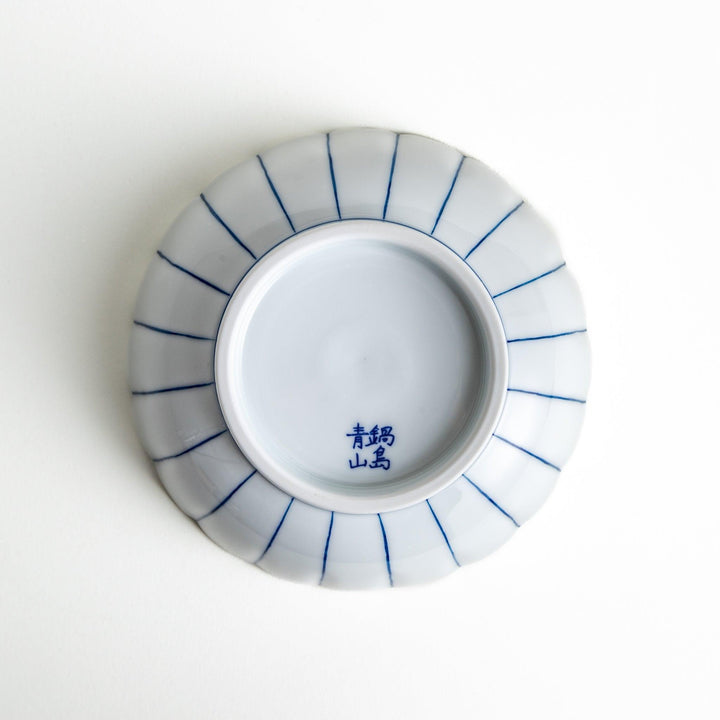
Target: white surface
column 114, row 116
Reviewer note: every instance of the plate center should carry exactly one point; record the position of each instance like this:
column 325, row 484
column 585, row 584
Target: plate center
column 358, row 366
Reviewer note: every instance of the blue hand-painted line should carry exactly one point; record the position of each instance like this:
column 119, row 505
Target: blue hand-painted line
column 547, row 337
column 444, row 534
column 276, row 194
column 192, row 274
column 449, row 193
column 492, row 502
column 387, row 550
column 332, row 176
column 190, row 449
column 226, row 498
column 172, row 389
column 493, row 229
column 165, row 331
column 277, row 530
column 546, row 395
column 327, row 545
column 527, row 452
column 232, row 234
column 528, row 282
column 390, row 178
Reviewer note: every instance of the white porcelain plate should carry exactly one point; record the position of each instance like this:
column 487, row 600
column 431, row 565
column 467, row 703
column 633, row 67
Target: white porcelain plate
column 359, row 360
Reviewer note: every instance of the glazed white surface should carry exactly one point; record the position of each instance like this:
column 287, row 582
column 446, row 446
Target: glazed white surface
column 403, row 181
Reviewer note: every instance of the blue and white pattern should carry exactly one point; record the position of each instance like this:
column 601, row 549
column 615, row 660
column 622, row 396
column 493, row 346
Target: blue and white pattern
column 388, row 177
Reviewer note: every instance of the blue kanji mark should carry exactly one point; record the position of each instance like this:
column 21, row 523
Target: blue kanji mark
column 373, row 436
column 378, row 437
column 386, row 435
column 357, row 435
column 379, row 459
column 358, row 463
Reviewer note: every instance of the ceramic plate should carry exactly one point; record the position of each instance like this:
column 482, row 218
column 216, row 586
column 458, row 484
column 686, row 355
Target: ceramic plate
column 359, row 360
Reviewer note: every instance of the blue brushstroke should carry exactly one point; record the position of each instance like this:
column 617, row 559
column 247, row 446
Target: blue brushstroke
column 442, row 530
column 275, row 193
column 532, row 280
column 493, row 229
column 492, row 502
column 227, row 497
column 190, row 449
column 192, row 274
column 547, row 337
column 172, row 389
column 213, row 212
column 390, row 179
column 277, row 530
column 387, row 550
column 327, row 545
column 332, row 176
column 545, row 395
column 527, row 452
column 449, row 193
column 165, row 331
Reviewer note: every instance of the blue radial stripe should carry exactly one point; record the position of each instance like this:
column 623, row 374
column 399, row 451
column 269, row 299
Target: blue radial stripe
column 159, row 391
column 214, row 213
column 547, row 337
column 532, row 280
column 190, row 449
column 277, row 530
column 332, row 176
column 527, row 452
column 546, row 395
column 493, row 229
column 392, row 172
column 275, row 193
column 387, row 550
column 442, row 530
column 192, row 274
column 449, row 193
column 327, row 545
column 492, row 502
column 172, row 389
column 226, row 498
column 165, row 331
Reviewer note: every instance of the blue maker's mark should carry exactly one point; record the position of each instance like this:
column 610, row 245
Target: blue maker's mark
column 370, row 446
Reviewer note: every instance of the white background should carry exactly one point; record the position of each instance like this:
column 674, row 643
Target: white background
column 113, row 115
